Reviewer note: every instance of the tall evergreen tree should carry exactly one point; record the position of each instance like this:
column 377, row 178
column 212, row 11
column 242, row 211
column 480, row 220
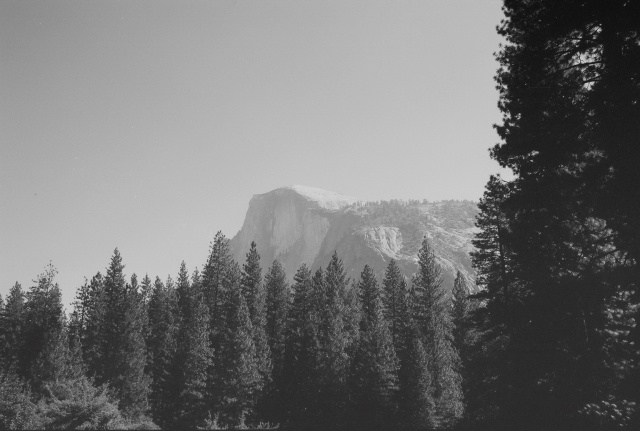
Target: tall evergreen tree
column 123, row 348
column 162, row 348
column 132, row 358
column 90, row 308
column 277, row 304
column 373, row 381
column 433, row 317
column 460, row 312
column 417, row 409
column 301, row 350
column 146, row 287
column 492, row 257
column 216, row 282
column 183, row 292
column 193, row 359
column 333, row 361
column 254, row 292
column 393, row 297
column 12, row 324
column 569, row 94
column 45, row 351
column 242, row 380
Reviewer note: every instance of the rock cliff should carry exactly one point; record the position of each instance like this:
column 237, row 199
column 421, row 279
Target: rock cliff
column 298, row 224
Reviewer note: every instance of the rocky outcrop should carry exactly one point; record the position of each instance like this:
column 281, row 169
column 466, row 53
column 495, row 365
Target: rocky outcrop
column 297, row 225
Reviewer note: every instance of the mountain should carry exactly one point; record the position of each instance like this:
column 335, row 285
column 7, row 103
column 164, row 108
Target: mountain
column 299, row 224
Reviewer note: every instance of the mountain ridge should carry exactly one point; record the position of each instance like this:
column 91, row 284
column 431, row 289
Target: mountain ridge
column 300, row 224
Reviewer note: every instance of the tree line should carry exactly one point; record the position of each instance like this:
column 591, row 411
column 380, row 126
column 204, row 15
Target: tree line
column 229, row 347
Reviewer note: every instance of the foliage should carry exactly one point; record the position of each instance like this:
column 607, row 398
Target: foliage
column 559, row 247
column 277, row 306
column 432, row 316
column 373, row 379
column 162, row 350
column 255, row 293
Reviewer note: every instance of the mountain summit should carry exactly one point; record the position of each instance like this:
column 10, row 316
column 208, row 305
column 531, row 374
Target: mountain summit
column 300, row 224
column 323, row 198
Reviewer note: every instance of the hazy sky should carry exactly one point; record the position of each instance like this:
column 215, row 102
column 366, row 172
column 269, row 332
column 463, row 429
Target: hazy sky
column 148, row 125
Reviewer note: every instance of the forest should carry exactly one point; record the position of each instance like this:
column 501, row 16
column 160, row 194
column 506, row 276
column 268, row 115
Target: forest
column 227, row 347
column 549, row 342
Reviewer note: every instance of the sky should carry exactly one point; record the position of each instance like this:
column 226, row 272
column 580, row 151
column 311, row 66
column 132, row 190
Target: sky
column 148, row 126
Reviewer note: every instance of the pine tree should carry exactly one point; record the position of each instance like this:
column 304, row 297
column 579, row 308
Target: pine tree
column 277, row 302
column 193, row 359
column 90, row 307
column 241, row 381
column 45, row 351
column 254, row 292
column 123, row 356
column 277, row 306
column 569, row 95
column 216, row 283
column 183, row 292
column 132, row 360
column 373, row 381
column 12, row 327
column 162, row 349
column 301, row 352
column 334, row 340
column 146, row 287
column 417, row 409
column 433, row 317
column 460, row 313
column 492, row 257
column 392, row 297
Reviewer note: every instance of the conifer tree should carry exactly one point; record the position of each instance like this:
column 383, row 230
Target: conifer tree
column 460, row 311
column 277, row 302
column 334, row 342
column 123, row 353
column 162, row 348
column 348, row 298
column 569, row 94
column 193, row 359
column 492, row 257
column 301, row 351
column 183, row 292
column 254, row 292
column 216, row 281
column 392, row 297
column 241, row 380
column 417, row 408
column 373, row 381
column 146, row 287
column 277, row 306
column 433, row 317
column 132, row 359
column 90, row 309
column 12, row 326
column 318, row 292
column 45, row 353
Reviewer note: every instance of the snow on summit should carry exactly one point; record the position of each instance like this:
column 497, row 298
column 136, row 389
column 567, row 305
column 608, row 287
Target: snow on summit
column 324, row 198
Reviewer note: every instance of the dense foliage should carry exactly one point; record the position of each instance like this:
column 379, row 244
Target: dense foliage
column 325, row 352
column 556, row 342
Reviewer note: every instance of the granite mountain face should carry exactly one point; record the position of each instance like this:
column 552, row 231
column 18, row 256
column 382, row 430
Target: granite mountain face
column 299, row 224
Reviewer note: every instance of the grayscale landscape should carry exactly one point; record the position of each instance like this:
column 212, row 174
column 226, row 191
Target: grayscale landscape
column 320, row 215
